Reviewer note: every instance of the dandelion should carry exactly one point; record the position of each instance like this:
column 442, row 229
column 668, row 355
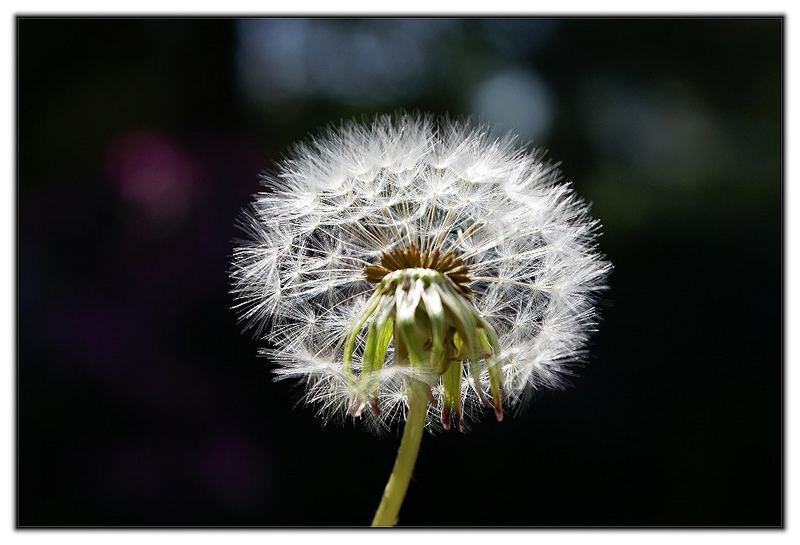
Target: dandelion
column 418, row 270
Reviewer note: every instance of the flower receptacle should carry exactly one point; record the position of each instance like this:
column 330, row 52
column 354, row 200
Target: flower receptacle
column 434, row 330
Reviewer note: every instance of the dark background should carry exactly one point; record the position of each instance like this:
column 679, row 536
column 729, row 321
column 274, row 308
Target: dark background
column 141, row 403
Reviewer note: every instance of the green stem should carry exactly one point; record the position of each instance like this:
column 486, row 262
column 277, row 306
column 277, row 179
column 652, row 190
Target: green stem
column 396, row 488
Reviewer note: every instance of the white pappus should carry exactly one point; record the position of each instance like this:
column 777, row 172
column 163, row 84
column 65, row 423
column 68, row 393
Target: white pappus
column 415, row 248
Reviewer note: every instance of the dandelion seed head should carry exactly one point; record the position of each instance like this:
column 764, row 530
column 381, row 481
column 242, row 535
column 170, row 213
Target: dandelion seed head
column 339, row 229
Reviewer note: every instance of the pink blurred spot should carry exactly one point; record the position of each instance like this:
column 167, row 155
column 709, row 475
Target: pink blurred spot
column 153, row 172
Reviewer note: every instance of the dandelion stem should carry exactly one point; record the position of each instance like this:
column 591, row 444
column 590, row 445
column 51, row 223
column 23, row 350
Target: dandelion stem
column 396, row 488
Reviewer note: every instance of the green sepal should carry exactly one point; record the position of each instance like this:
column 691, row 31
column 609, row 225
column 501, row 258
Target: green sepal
column 464, row 321
column 349, row 343
column 381, row 331
column 493, row 364
column 483, row 342
column 406, row 304
column 451, row 382
column 436, row 316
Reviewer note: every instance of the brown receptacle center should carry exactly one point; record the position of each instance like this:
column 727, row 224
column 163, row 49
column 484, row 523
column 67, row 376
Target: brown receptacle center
column 410, row 257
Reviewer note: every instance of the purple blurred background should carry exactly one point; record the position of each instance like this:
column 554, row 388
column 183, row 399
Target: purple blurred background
column 141, row 403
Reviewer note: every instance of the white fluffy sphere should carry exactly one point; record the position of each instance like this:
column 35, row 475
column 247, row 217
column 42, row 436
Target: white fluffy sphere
column 343, row 199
